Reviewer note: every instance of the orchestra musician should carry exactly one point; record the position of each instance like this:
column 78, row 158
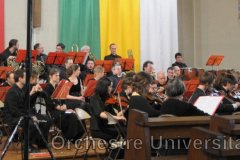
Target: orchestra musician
column 99, row 123
column 117, row 75
column 75, row 97
column 91, row 85
column 88, row 70
column 9, row 53
column 60, row 47
column 113, row 55
column 40, row 55
column 174, row 104
column 9, row 79
column 140, row 87
column 148, row 68
column 170, row 73
column 15, row 107
column 177, row 72
column 205, row 84
column 161, row 78
column 225, row 84
column 179, row 61
column 64, row 118
column 63, row 68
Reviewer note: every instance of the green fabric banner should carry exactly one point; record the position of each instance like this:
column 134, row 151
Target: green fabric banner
column 79, row 24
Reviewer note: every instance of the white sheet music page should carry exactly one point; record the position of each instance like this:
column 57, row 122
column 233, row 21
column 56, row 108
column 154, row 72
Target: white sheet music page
column 208, row 104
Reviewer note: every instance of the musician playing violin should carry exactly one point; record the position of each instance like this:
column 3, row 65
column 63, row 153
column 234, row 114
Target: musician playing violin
column 138, row 100
column 99, row 123
column 205, row 81
column 161, row 78
column 226, row 84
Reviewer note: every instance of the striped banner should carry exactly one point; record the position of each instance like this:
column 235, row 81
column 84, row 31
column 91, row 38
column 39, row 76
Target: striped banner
column 147, row 27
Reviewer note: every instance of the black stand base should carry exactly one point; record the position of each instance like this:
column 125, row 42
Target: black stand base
column 10, row 139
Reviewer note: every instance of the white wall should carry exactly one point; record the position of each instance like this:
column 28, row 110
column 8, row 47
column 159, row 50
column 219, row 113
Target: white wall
column 208, row 27
column 16, row 23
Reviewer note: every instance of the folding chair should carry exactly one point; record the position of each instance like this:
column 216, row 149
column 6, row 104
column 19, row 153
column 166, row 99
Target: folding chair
column 120, row 140
column 82, row 116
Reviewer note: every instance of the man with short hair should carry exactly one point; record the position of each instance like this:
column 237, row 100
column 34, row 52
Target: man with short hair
column 10, row 52
column 15, row 107
column 60, row 47
column 179, row 61
column 113, row 55
column 161, row 78
column 9, row 79
column 170, row 73
column 117, row 75
column 40, row 55
column 63, row 68
column 148, row 68
column 89, row 69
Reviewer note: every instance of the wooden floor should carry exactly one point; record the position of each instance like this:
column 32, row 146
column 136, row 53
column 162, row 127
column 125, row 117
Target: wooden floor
column 68, row 152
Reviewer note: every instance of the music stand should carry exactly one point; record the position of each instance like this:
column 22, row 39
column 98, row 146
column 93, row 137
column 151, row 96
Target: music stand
column 62, row 90
column 129, row 64
column 57, row 58
column 90, row 88
column 107, row 65
column 78, row 57
column 3, row 92
column 4, row 70
column 214, row 60
column 21, row 56
column 88, row 78
column 99, row 63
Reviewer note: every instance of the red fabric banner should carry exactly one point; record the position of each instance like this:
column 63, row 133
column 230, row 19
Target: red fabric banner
column 1, row 25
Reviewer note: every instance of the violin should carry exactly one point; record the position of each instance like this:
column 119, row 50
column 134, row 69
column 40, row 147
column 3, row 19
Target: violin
column 155, row 98
column 114, row 101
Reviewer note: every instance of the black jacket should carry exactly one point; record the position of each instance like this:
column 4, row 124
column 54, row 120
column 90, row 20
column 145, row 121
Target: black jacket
column 180, row 108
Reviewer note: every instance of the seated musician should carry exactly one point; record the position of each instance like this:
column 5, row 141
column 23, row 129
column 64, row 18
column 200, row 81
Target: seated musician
column 63, row 68
column 148, row 68
column 88, row 70
column 177, row 72
column 41, row 57
column 153, row 96
column 226, row 84
column 117, row 75
column 91, row 85
column 113, row 55
column 179, row 61
column 9, row 79
column 60, row 47
column 174, row 104
column 161, row 78
column 99, row 127
column 205, row 85
column 170, row 73
column 75, row 97
column 15, row 107
column 138, row 100
column 9, row 53
column 64, row 118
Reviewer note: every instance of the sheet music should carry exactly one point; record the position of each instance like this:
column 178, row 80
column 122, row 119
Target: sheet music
column 208, row 104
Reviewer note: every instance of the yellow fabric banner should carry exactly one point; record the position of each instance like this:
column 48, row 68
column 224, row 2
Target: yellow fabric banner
column 120, row 24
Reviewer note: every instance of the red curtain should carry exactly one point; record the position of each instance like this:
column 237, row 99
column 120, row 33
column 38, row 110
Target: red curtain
column 1, row 25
